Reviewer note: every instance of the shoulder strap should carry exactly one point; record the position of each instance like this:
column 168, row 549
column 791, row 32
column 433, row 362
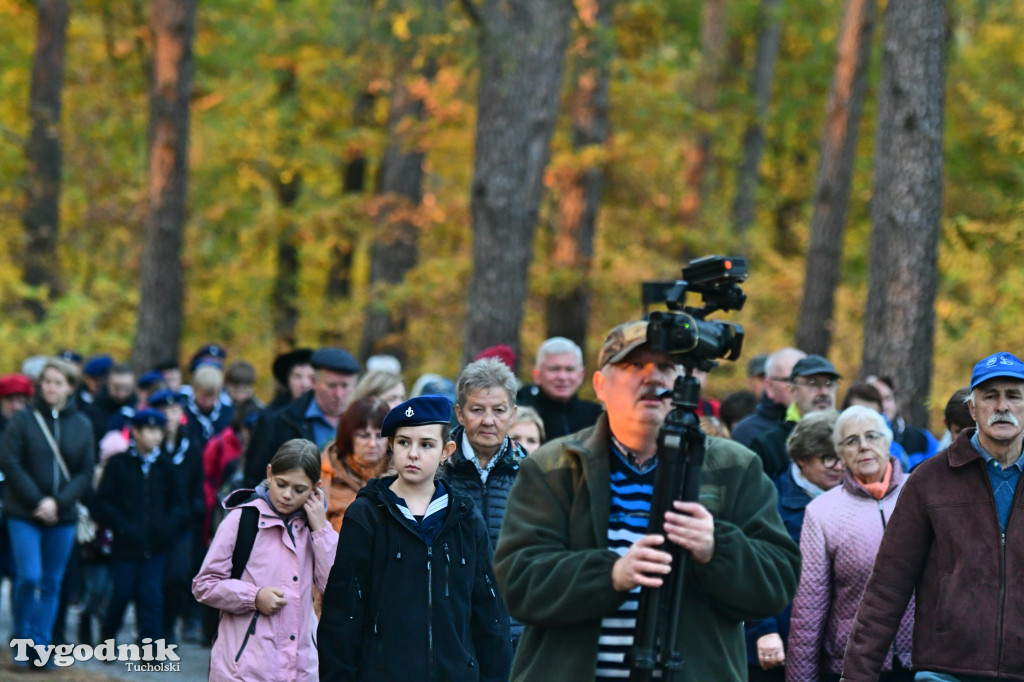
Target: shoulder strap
column 247, row 528
column 53, row 444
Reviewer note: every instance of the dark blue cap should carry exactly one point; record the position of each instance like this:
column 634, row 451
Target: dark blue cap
column 166, row 397
column 424, row 409
column 334, row 360
column 98, row 367
column 997, row 365
column 70, row 356
column 211, row 352
column 149, row 417
column 150, row 378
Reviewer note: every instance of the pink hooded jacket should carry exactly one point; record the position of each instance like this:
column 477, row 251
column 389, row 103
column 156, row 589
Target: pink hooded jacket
column 250, row 646
column 840, row 537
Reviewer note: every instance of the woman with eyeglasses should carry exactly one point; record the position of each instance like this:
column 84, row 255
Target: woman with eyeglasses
column 815, row 469
column 357, row 454
column 841, row 533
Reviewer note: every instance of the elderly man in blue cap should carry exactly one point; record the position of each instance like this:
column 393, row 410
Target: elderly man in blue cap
column 313, row 415
column 956, row 540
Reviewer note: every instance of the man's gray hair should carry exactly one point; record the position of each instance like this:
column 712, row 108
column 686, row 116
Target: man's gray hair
column 857, row 412
column 557, row 345
column 483, row 374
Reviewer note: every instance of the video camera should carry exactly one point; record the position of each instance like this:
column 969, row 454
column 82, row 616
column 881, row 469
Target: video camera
column 684, row 332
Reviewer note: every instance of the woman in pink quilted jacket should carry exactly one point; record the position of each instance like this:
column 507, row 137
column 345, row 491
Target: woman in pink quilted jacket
column 267, row 630
column 841, row 534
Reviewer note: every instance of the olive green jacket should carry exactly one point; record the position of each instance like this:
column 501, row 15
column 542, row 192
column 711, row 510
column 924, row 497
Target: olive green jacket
column 555, row 571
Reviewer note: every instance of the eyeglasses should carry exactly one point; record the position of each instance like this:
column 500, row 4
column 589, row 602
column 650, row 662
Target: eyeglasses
column 781, row 380
column 831, row 461
column 870, row 438
column 817, row 384
column 367, row 435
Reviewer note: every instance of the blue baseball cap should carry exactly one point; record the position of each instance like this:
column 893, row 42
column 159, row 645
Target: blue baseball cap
column 997, row 365
column 149, row 379
column 424, row 409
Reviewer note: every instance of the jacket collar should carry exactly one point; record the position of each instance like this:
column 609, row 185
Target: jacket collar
column 961, row 453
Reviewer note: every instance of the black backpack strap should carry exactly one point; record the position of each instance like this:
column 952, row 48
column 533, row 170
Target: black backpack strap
column 247, row 528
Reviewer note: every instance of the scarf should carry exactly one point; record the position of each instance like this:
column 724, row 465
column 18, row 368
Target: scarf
column 878, row 490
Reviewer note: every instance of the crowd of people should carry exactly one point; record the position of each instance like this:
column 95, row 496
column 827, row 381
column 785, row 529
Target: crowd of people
column 482, row 528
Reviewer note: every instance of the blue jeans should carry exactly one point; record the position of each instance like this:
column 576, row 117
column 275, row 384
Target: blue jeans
column 141, row 581
column 40, row 555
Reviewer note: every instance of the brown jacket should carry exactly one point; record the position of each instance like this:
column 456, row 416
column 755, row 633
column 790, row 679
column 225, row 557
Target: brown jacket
column 944, row 541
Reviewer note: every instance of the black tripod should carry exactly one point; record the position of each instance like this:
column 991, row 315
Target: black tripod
column 680, row 457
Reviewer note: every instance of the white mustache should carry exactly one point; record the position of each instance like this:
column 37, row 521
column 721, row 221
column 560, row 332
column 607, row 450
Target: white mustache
column 1006, row 417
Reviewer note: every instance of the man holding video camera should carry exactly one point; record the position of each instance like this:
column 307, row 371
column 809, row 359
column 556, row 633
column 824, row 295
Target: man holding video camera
column 574, row 550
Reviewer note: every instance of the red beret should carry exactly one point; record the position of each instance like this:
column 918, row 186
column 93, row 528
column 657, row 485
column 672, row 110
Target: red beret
column 15, row 384
column 501, row 352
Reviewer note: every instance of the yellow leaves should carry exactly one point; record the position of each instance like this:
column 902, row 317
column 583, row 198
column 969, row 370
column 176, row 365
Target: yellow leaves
column 400, row 25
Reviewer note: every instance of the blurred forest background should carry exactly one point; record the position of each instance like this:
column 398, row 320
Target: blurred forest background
column 375, row 174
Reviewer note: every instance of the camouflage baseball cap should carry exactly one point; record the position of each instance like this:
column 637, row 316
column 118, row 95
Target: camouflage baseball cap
column 621, row 341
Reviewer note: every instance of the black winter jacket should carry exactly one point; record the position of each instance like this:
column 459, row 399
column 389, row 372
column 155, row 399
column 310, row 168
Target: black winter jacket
column 489, row 498
column 560, row 419
column 272, row 431
column 30, row 468
column 396, row 609
column 145, row 511
column 186, row 458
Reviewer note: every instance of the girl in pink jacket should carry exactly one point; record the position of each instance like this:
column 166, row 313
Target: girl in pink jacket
column 267, row 630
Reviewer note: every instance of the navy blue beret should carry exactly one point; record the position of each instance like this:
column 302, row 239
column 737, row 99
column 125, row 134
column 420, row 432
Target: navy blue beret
column 149, row 417
column 98, row 366
column 424, row 409
column 166, row 397
column 211, row 352
column 150, row 378
column 70, row 356
column 334, row 360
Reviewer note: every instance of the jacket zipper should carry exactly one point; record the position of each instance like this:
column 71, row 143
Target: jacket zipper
column 248, row 633
column 447, row 570
column 430, row 613
column 881, row 512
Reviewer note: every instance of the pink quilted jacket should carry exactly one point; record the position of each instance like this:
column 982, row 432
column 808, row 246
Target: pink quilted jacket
column 841, row 534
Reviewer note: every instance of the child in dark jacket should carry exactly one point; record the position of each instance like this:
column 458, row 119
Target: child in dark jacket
column 139, row 499
column 411, row 594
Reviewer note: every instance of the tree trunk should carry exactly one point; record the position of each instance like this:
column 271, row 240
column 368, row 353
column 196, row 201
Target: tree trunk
column 579, row 188
column 394, row 250
column 522, row 53
column 768, row 39
column 906, row 209
column 160, row 312
column 713, row 38
column 835, row 170
column 41, row 216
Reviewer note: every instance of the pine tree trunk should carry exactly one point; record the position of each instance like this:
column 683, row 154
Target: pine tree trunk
column 41, row 216
column 579, row 189
column 769, row 38
column 522, row 52
column 906, row 209
column 160, row 311
column 394, row 250
column 835, row 170
column 713, row 38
